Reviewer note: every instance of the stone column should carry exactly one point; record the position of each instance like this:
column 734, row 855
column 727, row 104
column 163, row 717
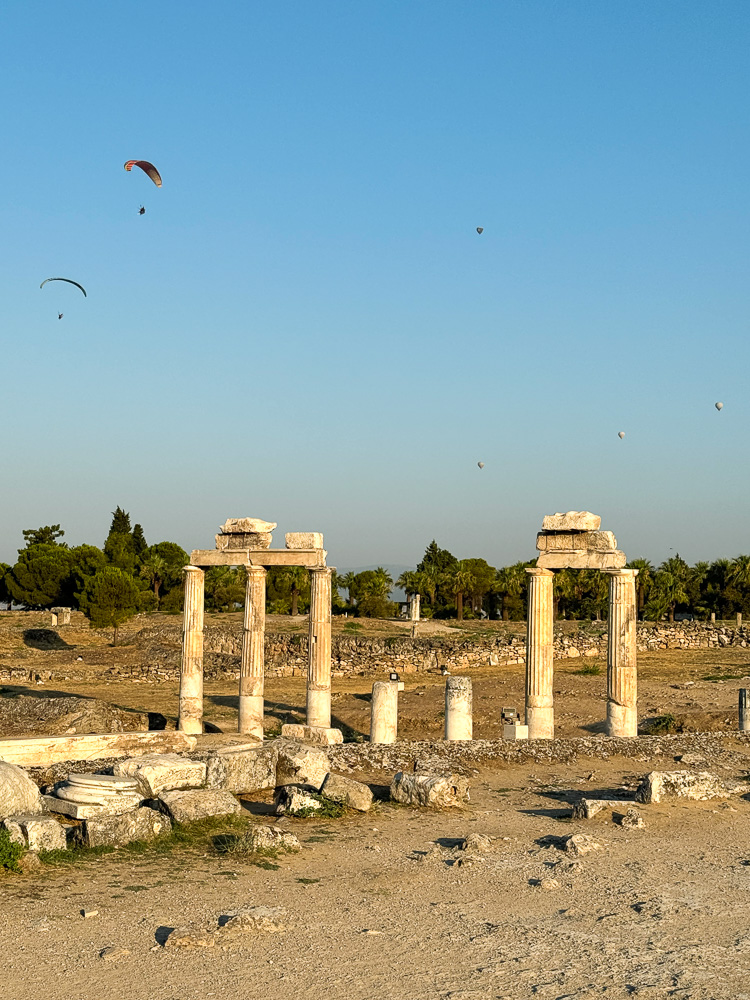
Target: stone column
column 540, row 711
column 319, row 663
column 252, row 666
column 384, row 712
column 458, row 708
column 744, row 717
column 415, row 602
column 622, row 671
column 191, row 669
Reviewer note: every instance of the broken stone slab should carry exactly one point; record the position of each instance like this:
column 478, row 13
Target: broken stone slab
column 696, row 785
column 199, row 803
column 116, row 831
column 301, row 765
column 303, row 540
column 250, row 540
column 573, row 520
column 246, row 768
column 588, row 808
column 294, row 799
column 480, row 843
column 632, row 820
column 246, row 525
column 580, row 844
column 260, row 919
column 582, row 559
column 38, row 833
column 18, row 793
column 44, row 751
column 272, row 838
column 436, row 791
column 190, row 937
column 157, row 773
column 80, row 810
column 347, row 792
column 599, row 541
column 313, row 735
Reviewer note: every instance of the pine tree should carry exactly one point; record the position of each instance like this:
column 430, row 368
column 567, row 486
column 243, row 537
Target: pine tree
column 120, row 522
column 110, row 599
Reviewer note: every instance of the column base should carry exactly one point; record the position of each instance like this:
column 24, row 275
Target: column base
column 319, row 708
column 541, row 723
column 250, row 720
column 190, row 726
column 621, row 720
column 458, row 725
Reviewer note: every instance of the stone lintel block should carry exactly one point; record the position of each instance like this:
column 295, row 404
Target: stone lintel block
column 314, row 735
column 697, row 785
column 116, row 831
column 515, row 731
column 157, row 773
column 86, row 810
column 311, row 558
column 243, row 769
column 38, row 833
column 582, row 559
column 303, row 540
column 600, row 541
column 199, row 803
column 248, row 540
column 588, row 808
column 574, row 520
column 246, row 525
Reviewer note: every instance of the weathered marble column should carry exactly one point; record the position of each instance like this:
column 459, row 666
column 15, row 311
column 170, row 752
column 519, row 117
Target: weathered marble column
column 319, row 663
column 252, row 667
column 415, row 602
column 191, row 669
column 622, row 670
column 384, row 712
column 458, row 708
column 540, row 711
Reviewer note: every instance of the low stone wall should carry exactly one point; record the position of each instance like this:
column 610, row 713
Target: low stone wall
column 286, row 655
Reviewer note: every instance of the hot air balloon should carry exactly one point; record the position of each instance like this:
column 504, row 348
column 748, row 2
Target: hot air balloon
column 69, row 280
column 480, row 229
column 147, row 168
column 480, row 464
column 621, row 434
column 719, row 406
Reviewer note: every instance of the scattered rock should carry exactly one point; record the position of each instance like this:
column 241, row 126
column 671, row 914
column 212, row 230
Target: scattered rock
column 188, row 806
column 264, row 919
column 346, row 791
column 247, row 768
column 293, row 799
column 112, row 953
column 313, row 735
column 301, row 765
column 692, row 759
column 38, row 833
column 29, row 863
column 435, row 791
column 160, row 772
column 88, row 914
column 588, row 808
column 580, row 844
column 479, row 842
column 18, row 793
column 549, row 884
column 190, row 937
column 697, row 785
column 633, row 820
column 265, row 838
column 116, row 831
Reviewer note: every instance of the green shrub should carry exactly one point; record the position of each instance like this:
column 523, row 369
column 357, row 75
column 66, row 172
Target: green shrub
column 10, row 853
column 590, row 670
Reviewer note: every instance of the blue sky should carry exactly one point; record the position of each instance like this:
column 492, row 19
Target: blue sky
column 305, row 325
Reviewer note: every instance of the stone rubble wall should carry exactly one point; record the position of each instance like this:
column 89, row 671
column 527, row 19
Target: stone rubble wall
column 286, row 655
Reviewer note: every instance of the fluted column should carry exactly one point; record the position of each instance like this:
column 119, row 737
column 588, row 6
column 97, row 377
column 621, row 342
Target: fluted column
column 622, row 670
column 252, row 667
column 415, row 602
column 191, row 668
column 540, row 711
column 319, row 652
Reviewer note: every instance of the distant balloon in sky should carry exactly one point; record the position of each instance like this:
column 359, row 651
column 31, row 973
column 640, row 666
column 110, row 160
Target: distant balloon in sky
column 621, row 435
column 480, row 229
column 69, row 280
column 719, row 406
column 480, row 464
column 147, row 168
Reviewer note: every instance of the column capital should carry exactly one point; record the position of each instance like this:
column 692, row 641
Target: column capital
column 256, row 571
column 538, row 571
column 321, row 569
column 191, row 569
column 621, row 572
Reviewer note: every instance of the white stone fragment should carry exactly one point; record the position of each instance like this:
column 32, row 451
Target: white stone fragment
column 156, row 773
column 573, row 520
column 303, row 540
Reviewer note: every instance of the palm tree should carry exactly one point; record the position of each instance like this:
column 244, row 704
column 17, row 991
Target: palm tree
column 668, row 591
column 349, row 582
column 409, row 582
column 509, row 582
column 298, row 579
column 155, row 570
column 383, row 582
column 642, row 581
column 739, row 574
column 431, row 578
column 460, row 581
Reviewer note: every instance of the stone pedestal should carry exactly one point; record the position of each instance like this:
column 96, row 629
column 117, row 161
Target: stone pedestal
column 384, row 712
column 458, row 708
column 319, row 665
column 540, row 712
column 191, row 669
column 622, row 671
column 251, row 663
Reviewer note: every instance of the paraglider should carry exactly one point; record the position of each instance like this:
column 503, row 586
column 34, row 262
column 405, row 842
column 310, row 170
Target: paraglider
column 719, row 406
column 480, row 464
column 480, row 229
column 147, row 168
column 141, row 210
column 621, row 434
column 69, row 280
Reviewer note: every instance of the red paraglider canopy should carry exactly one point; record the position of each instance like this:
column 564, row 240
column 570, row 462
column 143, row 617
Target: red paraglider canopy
column 147, row 168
